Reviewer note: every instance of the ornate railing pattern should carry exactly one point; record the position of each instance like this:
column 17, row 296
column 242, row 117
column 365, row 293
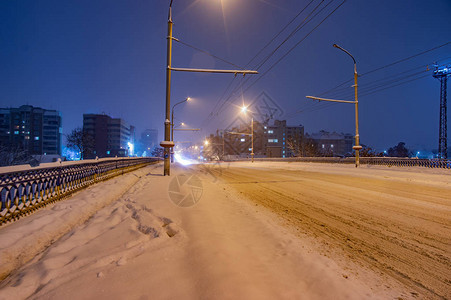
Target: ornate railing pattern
column 23, row 192
column 386, row 161
column 408, row 162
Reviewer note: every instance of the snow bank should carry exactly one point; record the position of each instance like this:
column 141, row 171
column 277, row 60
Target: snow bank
column 440, row 177
column 23, row 239
column 145, row 247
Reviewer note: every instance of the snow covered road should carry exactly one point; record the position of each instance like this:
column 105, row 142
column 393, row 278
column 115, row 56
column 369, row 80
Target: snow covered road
column 395, row 221
column 256, row 232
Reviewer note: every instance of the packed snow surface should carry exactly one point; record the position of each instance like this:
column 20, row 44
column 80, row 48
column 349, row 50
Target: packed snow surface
column 254, row 232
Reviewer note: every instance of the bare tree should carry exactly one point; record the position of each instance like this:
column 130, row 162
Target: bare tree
column 157, row 152
column 399, row 150
column 369, row 152
column 13, row 155
column 294, row 146
column 80, row 140
column 309, row 147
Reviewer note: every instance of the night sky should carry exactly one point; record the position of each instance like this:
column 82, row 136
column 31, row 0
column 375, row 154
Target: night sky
column 109, row 56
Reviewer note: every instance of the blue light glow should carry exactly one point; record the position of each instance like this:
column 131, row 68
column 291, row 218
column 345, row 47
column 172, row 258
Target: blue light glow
column 184, row 161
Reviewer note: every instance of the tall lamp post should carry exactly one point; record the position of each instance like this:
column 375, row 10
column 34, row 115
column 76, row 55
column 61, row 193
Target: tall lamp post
column 167, row 143
column 172, row 126
column 244, row 110
column 357, row 146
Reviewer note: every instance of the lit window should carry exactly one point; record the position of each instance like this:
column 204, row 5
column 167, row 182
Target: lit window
column 243, row 140
column 250, row 149
column 270, row 131
column 266, row 127
column 108, row 152
column 323, row 146
column 16, row 132
column 283, row 152
column 27, row 137
column 331, row 146
column 36, row 138
column 273, row 140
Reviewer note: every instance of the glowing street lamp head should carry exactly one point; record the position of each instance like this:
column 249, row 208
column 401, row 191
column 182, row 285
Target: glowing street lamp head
column 206, row 143
column 188, row 99
column 183, row 124
column 244, row 109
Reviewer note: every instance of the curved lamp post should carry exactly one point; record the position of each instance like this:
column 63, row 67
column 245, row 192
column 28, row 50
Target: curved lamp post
column 357, row 146
column 172, row 126
column 167, row 143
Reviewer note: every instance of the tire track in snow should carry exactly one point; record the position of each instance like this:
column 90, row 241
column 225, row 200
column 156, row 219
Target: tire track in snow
column 370, row 219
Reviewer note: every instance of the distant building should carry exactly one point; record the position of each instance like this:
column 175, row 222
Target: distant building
column 283, row 140
column 278, row 140
column 241, row 144
column 332, row 143
column 149, row 139
column 35, row 130
column 112, row 136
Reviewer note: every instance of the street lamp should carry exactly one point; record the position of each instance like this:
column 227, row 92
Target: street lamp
column 172, row 126
column 167, row 143
column 357, row 146
column 244, row 111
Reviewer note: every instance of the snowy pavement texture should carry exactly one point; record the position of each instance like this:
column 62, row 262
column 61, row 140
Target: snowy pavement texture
column 257, row 232
column 397, row 221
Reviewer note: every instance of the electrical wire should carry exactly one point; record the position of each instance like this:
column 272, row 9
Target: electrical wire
column 386, row 66
column 280, row 32
column 208, row 53
column 221, row 99
column 292, row 48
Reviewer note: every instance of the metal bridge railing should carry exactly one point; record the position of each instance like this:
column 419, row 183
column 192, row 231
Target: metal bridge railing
column 23, row 192
column 385, row 161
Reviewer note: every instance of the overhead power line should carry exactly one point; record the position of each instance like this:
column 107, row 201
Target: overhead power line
column 223, row 100
column 386, row 66
column 208, row 53
column 280, row 32
column 404, row 59
column 292, row 48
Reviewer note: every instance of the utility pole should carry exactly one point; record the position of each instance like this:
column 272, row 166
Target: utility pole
column 223, row 145
column 167, row 143
column 357, row 146
column 442, row 74
column 172, row 126
column 252, row 135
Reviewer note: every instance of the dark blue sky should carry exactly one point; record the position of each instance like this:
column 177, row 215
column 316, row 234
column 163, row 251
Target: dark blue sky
column 109, row 56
